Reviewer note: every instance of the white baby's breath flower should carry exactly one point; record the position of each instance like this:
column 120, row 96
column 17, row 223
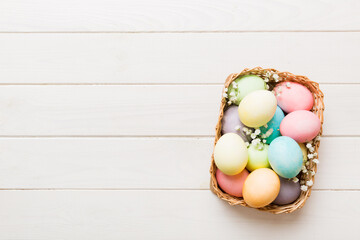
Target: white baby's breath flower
column 225, row 95
column 308, row 145
column 318, row 138
column 257, row 131
column 253, row 135
column 265, row 126
column 315, row 161
column 276, row 77
column 232, row 94
column 247, row 144
column 309, row 183
column 245, row 129
column 237, row 127
column 307, row 163
column 233, row 99
column 229, row 102
column 234, row 85
column 304, row 188
column 288, row 85
column 264, row 140
column 267, row 87
column 266, row 80
column 310, row 156
column 267, row 74
column 295, row 179
column 312, row 149
column 225, row 89
column 312, row 173
column 315, row 154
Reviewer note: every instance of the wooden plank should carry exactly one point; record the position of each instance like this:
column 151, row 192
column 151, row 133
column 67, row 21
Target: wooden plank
column 168, row 215
column 142, row 163
column 174, row 58
column 190, row 110
column 174, row 15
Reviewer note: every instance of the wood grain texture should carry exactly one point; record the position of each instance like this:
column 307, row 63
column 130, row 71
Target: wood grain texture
column 186, row 110
column 168, row 215
column 174, row 58
column 142, row 163
column 174, row 15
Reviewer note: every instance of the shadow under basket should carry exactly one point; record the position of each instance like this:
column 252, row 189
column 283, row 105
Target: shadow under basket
column 318, row 109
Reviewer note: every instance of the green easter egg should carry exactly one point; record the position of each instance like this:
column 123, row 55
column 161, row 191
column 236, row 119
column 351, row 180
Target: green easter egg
column 244, row 85
column 257, row 157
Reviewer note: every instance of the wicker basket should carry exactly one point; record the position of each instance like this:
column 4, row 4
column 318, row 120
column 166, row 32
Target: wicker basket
column 317, row 109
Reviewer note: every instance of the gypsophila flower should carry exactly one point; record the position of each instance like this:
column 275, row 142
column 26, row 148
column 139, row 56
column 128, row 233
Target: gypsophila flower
column 310, row 155
column 295, row 179
column 267, row 87
column 276, row 77
column 312, row 149
column 225, row 89
column 308, row 145
column 253, row 135
column 268, row 74
column 237, row 127
column 288, row 85
column 245, row 129
column 318, row 138
column 229, row 102
column 309, row 183
column 234, row 85
column 257, row 131
column 315, row 161
column 247, row 144
column 312, row 173
column 225, row 95
column 266, row 80
column 307, row 163
column 265, row 126
column 232, row 94
column 233, row 99
column 304, row 188
column 315, row 154
column 264, row 141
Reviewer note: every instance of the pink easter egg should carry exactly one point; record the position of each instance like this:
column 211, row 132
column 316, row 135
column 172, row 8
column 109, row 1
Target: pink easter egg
column 301, row 125
column 293, row 96
column 232, row 185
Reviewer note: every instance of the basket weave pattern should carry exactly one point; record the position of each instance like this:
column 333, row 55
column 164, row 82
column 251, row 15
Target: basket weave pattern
column 317, row 109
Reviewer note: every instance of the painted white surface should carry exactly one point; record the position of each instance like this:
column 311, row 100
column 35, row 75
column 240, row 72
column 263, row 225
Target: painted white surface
column 163, row 58
column 108, row 108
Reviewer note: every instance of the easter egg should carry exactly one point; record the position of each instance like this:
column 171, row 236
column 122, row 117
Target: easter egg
column 271, row 130
column 301, row 125
column 293, row 96
column 289, row 192
column 231, row 123
column 244, row 85
column 304, row 151
column 257, row 157
column 257, row 108
column 230, row 154
column 261, row 187
column 232, row 185
column 285, row 157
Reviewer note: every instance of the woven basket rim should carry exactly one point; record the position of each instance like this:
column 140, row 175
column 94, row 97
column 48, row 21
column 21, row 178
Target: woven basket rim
column 318, row 109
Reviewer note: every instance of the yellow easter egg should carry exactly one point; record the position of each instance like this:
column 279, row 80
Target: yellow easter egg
column 230, row 154
column 257, row 108
column 261, row 187
column 304, row 151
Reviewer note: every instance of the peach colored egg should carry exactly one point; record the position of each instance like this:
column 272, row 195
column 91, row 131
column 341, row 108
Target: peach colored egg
column 232, row 185
column 293, row 96
column 301, row 125
column 261, row 187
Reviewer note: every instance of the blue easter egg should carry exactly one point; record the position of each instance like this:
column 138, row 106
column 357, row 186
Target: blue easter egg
column 273, row 126
column 285, row 157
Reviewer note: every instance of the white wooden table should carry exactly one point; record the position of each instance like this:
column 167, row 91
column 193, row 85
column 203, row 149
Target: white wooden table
column 108, row 109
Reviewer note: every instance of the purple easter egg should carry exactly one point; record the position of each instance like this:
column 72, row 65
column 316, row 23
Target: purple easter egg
column 231, row 123
column 289, row 192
